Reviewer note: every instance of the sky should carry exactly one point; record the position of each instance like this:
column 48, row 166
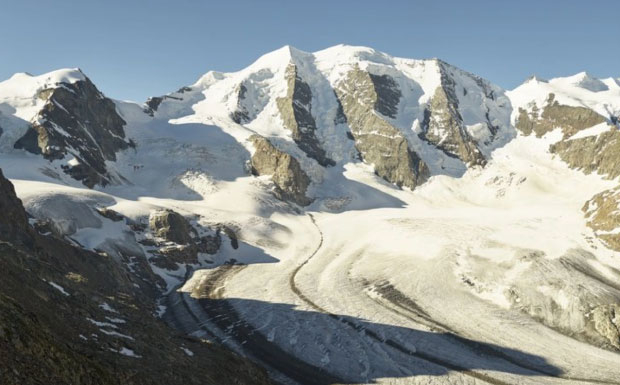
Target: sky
column 134, row 49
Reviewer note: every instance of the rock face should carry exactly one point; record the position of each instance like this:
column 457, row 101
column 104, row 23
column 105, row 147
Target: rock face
column 378, row 142
column 570, row 119
column 388, row 95
column 171, row 226
column 602, row 213
column 606, row 320
column 241, row 114
column 77, row 120
column 443, row 125
column 290, row 180
column 14, row 224
column 596, row 153
column 296, row 111
column 187, row 240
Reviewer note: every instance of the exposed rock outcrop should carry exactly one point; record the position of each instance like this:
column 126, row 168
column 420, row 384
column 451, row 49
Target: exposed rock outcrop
column 296, row 111
column 554, row 115
column 14, row 223
column 596, row 153
column 290, row 180
column 152, row 104
column 241, row 114
column 110, row 214
column 388, row 95
column 182, row 241
column 602, row 213
column 77, row 120
column 443, row 124
column 606, row 320
column 171, row 226
column 378, row 142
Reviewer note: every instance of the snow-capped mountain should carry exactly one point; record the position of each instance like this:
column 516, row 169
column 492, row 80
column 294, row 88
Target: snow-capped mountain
column 439, row 227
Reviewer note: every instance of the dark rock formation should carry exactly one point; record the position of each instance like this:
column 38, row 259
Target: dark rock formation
column 210, row 244
column 378, row 142
column 110, row 214
column 290, row 180
column 14, row 223
column 177, row 254
column 171, row 226
column 231, row 234
column 388, row 95
column 152, row 104
column 77, row 120
column 443, row 124
column 241, row 114
column 296, row 112
column 187, row 243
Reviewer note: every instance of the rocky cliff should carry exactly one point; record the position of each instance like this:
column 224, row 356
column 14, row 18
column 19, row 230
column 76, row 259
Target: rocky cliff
column 290, row 180
column 14, row 224
column 443, row 124
column 77, row 120
column 296, row 112
column 363, row 98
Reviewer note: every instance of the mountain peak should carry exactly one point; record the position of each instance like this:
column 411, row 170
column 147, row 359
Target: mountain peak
column 582, row 80
column 26, row 80
column 64, row 75
column 535, row 79
column 351, row 54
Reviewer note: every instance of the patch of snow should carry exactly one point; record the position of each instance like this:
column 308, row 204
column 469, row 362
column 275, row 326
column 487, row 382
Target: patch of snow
column 116, row 320
column 116, row 334
column 126, row 352
column 101, row 324
column 187, row 351
column 105, row 306
column 592, row 131
column 59, row 288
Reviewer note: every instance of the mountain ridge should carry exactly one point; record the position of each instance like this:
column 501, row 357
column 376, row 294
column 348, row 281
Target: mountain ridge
column 408, row 196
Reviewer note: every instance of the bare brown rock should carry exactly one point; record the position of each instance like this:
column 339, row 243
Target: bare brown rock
column 378, row 142
column 290, row 180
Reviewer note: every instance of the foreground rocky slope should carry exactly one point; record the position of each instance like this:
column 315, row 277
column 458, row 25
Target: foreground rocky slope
column 72, row 316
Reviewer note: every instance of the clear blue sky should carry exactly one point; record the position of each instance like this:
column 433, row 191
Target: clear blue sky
column 133, row 49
